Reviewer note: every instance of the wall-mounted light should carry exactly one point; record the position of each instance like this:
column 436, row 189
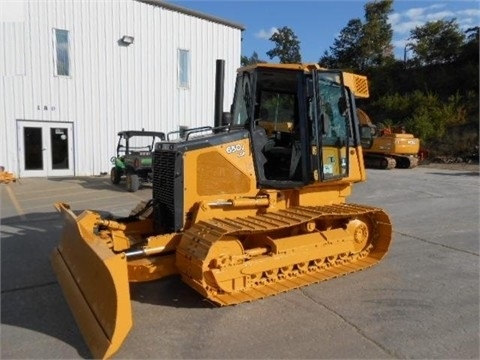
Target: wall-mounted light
column 127, row 40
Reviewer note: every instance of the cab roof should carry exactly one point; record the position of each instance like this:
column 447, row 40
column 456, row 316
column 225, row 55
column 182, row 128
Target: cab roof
column 130, row 133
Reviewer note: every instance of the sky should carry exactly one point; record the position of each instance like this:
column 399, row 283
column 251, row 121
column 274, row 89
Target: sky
column 317, row 23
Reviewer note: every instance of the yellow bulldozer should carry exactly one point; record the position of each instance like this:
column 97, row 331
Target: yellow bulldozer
column 387, row 148
column 252, row 208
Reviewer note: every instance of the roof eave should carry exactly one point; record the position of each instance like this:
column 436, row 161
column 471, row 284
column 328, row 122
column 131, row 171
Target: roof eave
column 191, row 12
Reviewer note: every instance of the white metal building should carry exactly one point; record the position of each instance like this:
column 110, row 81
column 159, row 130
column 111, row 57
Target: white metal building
column 74, row 73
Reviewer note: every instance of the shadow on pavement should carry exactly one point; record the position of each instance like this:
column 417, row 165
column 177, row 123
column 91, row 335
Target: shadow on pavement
column 451, row 173
column 170, row 292
column 31, row 297
column 97, row 183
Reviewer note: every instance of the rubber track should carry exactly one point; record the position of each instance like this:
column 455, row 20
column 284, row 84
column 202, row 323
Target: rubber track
column 205, row 233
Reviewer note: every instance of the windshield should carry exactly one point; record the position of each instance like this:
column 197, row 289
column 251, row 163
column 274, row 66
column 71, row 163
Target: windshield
column 334, row 122
column 272, row 100
column 242, row 100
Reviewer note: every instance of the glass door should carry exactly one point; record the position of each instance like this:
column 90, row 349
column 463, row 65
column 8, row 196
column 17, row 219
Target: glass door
column 45, row 149
column 332, row 125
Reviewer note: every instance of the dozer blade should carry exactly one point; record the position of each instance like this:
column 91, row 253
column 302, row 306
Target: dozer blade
column 94, row 281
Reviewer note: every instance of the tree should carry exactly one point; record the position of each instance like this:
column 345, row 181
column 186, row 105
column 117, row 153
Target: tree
column 361, row 45
column 425, row 114
column 377, row 33
column 470, row 50
column 345, row 51
column 244, row 60
column 287, row 47
column 436, row 42
column 473, row 34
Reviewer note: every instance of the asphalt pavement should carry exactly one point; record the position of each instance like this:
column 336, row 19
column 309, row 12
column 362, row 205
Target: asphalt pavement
column 420, row 302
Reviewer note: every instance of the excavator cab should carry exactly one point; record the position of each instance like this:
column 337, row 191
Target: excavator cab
column 367, row 134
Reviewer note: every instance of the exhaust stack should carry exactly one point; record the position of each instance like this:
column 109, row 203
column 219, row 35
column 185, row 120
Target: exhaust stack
column 219, row 90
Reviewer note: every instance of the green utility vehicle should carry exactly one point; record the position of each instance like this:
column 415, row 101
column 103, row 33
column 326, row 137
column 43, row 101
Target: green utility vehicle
column 134, row 157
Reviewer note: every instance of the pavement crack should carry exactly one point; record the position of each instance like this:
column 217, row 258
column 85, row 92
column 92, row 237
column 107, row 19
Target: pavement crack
column 436, row 243
column 7, row 291
column 351, row 324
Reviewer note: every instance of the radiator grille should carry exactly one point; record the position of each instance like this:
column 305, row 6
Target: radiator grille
column 164, row 190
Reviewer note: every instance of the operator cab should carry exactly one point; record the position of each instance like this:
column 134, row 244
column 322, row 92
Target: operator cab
column 292, row 112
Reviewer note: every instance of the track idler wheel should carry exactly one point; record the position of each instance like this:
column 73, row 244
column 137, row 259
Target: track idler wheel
column 360, row 233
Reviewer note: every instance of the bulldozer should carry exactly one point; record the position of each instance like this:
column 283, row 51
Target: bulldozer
column 254, row 207
column 387, row 148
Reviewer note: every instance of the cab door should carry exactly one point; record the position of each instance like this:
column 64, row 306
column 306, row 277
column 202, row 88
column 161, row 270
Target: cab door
column 332, row 130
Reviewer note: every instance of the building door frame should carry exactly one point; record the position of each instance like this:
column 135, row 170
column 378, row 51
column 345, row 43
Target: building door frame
column 45, row 148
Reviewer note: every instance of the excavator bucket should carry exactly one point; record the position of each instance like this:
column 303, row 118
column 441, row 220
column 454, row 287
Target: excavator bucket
column 94, row 281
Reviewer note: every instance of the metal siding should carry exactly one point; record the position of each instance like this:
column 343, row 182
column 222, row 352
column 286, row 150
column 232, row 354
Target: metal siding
column 9, row 88
column 102, row 115
column 7, row 102
column 12, row 60
column 111, row 87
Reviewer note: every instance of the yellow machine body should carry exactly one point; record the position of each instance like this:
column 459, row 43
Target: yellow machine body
column 392, row 144
column 250, row 210
column 6, row 177
column 387, row 149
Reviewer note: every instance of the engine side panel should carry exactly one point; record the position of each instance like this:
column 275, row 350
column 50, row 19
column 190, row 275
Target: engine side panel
column 205, row 169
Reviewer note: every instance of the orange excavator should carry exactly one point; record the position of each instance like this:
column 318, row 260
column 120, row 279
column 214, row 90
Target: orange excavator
column 387, row 148
column 251, row 208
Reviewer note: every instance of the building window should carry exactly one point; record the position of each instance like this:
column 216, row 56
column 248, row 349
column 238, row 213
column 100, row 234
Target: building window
column 184, row 68
column 62, row 52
